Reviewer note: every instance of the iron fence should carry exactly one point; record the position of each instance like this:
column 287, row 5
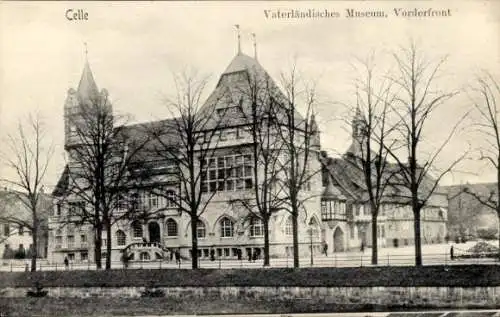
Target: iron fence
column 333, row 260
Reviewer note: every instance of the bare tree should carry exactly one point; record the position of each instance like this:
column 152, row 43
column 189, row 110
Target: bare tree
column 256, row 107
column 189, row 141
column 417, row 100
column 371, row 119
column 29, row 159
column 297, row 134
column 488, row 93
column 100, row 162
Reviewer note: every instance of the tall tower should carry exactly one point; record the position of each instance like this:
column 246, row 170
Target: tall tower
column 78, row 106
column 315, row 135
column 358, row 139
column 357, row 125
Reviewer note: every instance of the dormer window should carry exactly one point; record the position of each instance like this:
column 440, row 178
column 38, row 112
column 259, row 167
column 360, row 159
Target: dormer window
column 221, row 112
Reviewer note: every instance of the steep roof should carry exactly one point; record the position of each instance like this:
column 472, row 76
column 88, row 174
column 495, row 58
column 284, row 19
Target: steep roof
column 12, row 206
column 244, row 79
column 87, row 88
column 242, row 62
column 62, row 183
column 484, row 190
column 348, row 175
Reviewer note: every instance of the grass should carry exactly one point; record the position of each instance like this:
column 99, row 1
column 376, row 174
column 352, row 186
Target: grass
column 457, row 275
column 57, row 307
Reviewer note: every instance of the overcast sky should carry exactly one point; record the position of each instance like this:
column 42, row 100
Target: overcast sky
column 133, row 48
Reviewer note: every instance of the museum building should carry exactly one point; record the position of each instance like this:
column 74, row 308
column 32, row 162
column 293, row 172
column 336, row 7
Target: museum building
column 336, row 212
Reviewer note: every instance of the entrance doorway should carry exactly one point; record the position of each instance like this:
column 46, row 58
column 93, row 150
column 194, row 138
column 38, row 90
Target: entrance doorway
column 338, row 240
column 154, row 232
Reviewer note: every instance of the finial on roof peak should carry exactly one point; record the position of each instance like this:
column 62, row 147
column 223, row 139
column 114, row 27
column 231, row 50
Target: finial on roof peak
column 87, row 88
column 254, row 46
column 239, row 37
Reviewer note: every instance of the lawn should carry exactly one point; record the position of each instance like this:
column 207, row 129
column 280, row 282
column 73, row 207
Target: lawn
column 48, row 307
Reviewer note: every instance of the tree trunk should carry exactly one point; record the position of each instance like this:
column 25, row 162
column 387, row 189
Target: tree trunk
column 295, row 240
column 418, row 242
column 97, row 249
column 194, row 243
column 374, row 238
column 265, row 223
column 34, row 251
column 108, row 245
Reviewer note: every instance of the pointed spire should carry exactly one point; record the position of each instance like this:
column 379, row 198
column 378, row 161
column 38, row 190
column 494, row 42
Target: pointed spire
column 314, row 125
column 358, row 115
column 87, row 88
column 239, row 37
column 254, row 46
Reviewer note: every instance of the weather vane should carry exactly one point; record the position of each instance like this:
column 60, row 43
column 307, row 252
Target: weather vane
column 239, row 37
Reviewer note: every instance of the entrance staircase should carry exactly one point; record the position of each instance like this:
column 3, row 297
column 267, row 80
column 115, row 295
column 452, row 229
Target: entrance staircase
column 146, row 251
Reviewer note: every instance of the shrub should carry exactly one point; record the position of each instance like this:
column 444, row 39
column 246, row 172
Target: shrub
column 37, row 291
column 487, row 233
column 152, row 291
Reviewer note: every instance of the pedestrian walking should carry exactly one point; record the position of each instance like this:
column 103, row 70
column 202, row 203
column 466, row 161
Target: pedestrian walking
column 452, row 255
column 177, row 256
column 362, row 249
column 325, row 248
column 66, row 262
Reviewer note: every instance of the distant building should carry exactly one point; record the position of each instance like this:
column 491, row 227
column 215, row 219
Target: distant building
column 16, row 239
column 335, row 214
column 346, row 209
column 467, row 215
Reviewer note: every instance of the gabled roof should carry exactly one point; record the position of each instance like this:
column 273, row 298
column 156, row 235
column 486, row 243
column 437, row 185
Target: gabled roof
column 230, row 103
column 242, row 62
column 62, row 183
column 348, row 175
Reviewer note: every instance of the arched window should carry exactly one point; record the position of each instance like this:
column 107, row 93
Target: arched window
column 121, row 238
column 137, row 229
column 256, row 227
column 170, row 199
column 200, row 229
column 314, row 227
column 226, row 227
column 171, row 228
column 289, row 226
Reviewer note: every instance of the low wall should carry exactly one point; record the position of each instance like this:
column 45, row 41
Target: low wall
column 380, row 296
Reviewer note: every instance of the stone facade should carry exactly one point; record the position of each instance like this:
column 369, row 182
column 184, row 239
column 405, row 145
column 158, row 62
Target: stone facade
column 435, row 297
column 332, row 215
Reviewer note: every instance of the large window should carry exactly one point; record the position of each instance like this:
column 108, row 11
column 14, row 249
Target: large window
column 200, row 229
column 152, row 200
column 289, row 226
column 333, row 209
column 171, row 228
column 256, row 227
column 226, row 227
column 227, row 173
column 71, row 241
column 170, row 201
column 58, row 238
column 76, row 208
column 137, row 229
column 121, row 238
